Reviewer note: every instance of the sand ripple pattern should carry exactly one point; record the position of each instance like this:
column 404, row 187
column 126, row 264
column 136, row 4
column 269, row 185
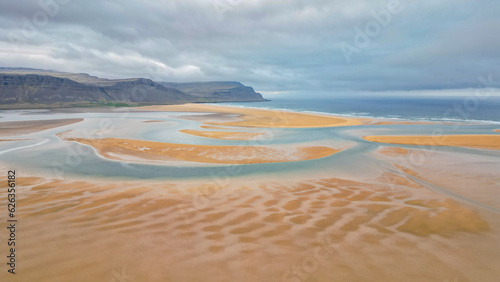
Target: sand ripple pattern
column 322, row 230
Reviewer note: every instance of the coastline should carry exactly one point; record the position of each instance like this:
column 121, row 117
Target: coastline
column 259, row 118
column 441, row 118
column 383, row 224
column 252, row 141
column 379, row 119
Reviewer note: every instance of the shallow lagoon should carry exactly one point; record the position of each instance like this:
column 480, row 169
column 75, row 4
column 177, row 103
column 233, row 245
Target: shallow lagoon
column 45, row 152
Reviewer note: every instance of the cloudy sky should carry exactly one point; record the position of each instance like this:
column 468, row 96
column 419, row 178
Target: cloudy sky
column 288, row 45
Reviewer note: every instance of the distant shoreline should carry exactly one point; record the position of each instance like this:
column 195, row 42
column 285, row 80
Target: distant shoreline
column 106, row 105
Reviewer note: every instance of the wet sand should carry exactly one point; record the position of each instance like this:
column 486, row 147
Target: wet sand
column 212, row 127
column 153, row 121
column 14, row 128
column 261, row 118
column 491, row 142
column 323, row 230
column 394, row 226
column 399, row 123
column 126, row 150
column 224, row 135
column 469, row 176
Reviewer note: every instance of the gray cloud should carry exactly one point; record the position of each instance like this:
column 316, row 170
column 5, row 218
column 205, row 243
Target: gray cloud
column 272, row 45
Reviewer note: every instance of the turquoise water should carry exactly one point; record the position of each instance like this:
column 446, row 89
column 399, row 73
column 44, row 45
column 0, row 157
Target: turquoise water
column 46, row 153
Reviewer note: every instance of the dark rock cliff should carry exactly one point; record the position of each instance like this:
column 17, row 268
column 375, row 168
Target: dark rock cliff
column 43, row 87
column 218, row 91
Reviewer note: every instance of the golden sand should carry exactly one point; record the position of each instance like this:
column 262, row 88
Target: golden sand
column 399, row 123
column 491, row 142
column 261, row 118
column 462, row 175
column 393, row 151
column 97, row 231
column 114, row 148
column 225, row 135
column 328, row 229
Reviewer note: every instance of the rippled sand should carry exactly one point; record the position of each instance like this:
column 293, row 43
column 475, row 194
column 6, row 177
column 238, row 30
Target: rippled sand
column 475, row 178
column 423, row 215
column 324, row 229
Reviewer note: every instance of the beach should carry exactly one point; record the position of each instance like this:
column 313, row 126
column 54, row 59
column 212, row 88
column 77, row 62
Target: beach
column 249, row 141
column 251, row 195
column 261, row 118
column 276, row 232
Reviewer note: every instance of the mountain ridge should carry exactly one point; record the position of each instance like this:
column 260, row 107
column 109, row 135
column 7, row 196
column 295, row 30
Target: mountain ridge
column 25, row 87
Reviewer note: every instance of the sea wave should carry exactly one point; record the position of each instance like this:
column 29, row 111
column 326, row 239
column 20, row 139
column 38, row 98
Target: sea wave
column 365, row 115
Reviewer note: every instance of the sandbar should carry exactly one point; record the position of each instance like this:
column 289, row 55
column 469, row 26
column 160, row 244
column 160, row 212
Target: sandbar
column 225, row 135
column 297, row 227
column 152, row 121
column 114, row 148
column 212, row 127
column 399, row 123
column 261, row 118
column 491, row 142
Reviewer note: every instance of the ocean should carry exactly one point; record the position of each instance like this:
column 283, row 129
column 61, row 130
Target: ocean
column 454, row 109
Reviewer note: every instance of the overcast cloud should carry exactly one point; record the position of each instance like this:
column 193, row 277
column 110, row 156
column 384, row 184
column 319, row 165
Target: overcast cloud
column 286, row 45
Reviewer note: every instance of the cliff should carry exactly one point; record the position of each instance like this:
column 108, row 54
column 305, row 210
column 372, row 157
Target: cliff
column 218, row 91
column 44, row 89
column 24, row 87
